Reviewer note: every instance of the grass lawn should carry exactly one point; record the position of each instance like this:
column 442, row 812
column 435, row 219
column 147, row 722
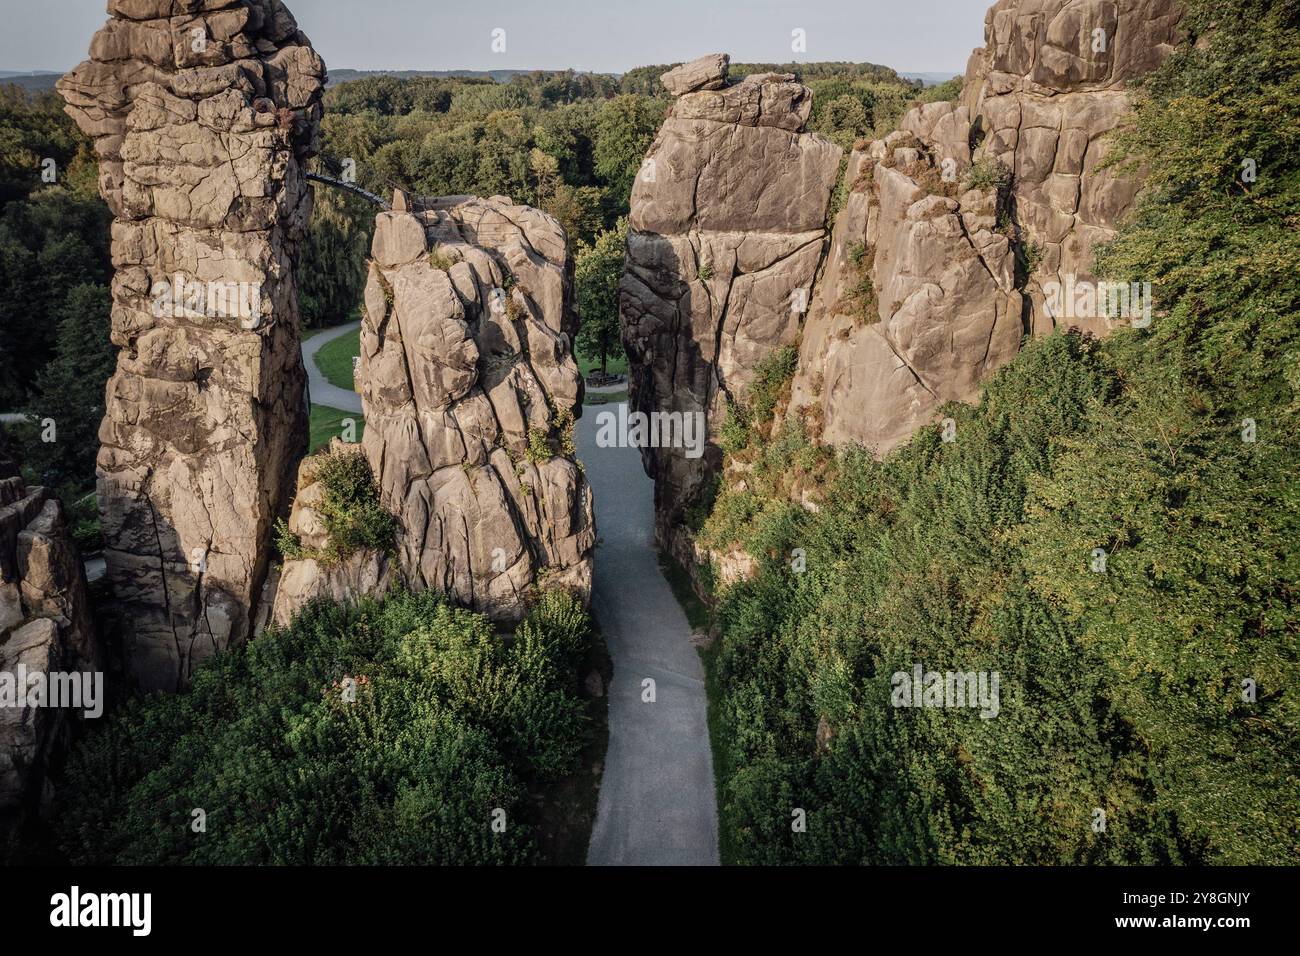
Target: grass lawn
column 335, row 359
column 605, row 398
column 327, row 423
column 616, row 366
column 335, row 362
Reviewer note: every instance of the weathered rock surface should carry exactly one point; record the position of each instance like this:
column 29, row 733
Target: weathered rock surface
column 706, row 73
column 41, row 575
column 470, row 391
column 727, row 229
column 1043, row 94
column 45, row 626
column 918, row 300
column 202, row 113
column 921, row 297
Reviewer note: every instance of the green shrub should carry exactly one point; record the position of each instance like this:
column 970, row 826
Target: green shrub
column 987, row 173
column 744, row 421
column 539, row 446
column 861, row 294
column 771, row 377
column 449, row 723
column 733, row 434
column 350, row 509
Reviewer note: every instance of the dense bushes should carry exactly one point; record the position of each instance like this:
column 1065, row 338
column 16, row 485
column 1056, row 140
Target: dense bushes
column 1157, row 687
column 382, row 732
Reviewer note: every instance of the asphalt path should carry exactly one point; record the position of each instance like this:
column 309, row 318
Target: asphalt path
column 321, row 390
column 656, row 804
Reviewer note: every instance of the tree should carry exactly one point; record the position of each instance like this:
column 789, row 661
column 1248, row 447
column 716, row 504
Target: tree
column 70, row 392
column 598, row 270
column 576, row 207
column 49, row 244
column 333, row 272
column 379, row 731
column 625, row 129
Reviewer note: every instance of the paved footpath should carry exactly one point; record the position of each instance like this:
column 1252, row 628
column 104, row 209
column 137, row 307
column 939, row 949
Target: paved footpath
column 656, row 803
column 322, row 392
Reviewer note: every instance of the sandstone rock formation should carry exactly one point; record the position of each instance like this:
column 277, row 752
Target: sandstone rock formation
column 918, row 300
column 727, row 229
column 1043, row 95
column 45, row 626
column 938, row 261
column 470, row 393
column 202, row 113
column 921, row 296
column 706, row 73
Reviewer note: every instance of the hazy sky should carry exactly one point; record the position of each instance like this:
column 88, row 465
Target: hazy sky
column 604, row 35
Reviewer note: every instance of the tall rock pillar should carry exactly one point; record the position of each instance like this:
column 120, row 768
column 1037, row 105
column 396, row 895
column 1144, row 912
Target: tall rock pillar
column 471, row 392
column 728, row 224
column 203, row 113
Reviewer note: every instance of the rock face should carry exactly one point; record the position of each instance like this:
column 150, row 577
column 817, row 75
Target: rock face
column 918, row 301
column 921, row 296
column 1042, row 96
column 470, row 393
column 706, row 73
column 727, row 229
column 203, row 113
column 45, row 626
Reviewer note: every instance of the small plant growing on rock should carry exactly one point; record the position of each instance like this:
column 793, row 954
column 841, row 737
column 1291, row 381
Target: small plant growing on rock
column 1029, row 255
column 440, row 260
column 384, row 285
column 564, row 425
column 706, row 271
column 861, row 295
column 349, row 509
column 988, row 173
column 865, row 180
column 733, row 435
column 539, row 446
column 514, row 311
column 930, row 177
column 748, row 424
